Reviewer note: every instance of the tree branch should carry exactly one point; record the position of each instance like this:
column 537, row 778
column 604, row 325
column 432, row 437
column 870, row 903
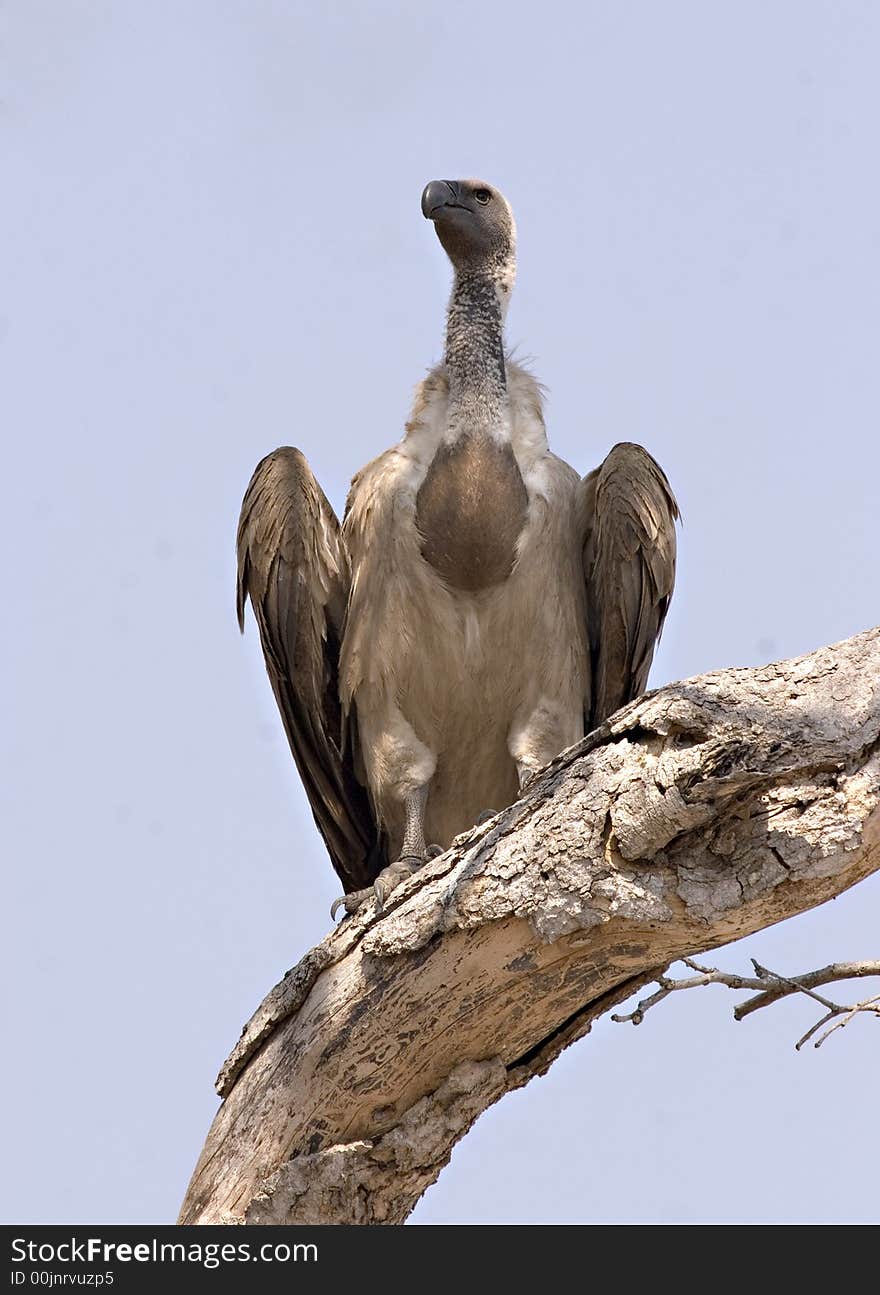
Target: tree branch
column 772, row 987
column 700, row 813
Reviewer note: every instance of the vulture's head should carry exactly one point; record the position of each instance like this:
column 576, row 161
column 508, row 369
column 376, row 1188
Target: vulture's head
column 474, row 223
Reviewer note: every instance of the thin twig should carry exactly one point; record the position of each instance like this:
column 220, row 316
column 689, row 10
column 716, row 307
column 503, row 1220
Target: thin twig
column 823, row 1020
column 869, row 1005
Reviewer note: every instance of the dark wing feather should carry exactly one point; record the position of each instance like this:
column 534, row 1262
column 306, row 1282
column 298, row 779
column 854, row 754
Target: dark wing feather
column 293, row 565
column 628, row 517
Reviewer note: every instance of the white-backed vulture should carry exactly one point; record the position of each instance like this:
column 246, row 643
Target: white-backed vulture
column 480, row 607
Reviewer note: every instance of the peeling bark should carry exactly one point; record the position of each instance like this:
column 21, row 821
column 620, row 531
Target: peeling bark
column 700, row 813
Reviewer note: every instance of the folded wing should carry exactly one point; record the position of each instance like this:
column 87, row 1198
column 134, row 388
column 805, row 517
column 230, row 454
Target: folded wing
column 628, row 514
column 293, row 565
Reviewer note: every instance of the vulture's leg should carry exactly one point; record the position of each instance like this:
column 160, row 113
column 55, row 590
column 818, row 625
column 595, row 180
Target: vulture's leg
column 413, row 853
column 542, row 730
column 400, row 766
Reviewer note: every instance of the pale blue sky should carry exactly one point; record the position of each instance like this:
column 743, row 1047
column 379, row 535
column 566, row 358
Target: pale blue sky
column 212, row 245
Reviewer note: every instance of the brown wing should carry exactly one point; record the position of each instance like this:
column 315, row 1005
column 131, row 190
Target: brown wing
column 293, row 565
column 628, row 515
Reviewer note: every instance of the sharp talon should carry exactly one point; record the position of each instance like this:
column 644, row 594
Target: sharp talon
column 484, row 817
column 351, row 903
column 433, row 851
column 379, row 892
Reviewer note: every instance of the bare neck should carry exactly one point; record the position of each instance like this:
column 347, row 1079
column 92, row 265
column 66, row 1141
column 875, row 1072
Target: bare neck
column 475, row 355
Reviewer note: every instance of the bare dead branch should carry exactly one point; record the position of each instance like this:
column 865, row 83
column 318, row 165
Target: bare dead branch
column 667, row 986
column 773, row 986
column 803, row 984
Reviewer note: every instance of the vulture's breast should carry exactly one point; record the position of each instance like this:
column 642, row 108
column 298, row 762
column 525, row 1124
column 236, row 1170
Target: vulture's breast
column 470, row 511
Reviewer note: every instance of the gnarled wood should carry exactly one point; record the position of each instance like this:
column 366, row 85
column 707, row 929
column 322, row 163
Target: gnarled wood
column 696, row 815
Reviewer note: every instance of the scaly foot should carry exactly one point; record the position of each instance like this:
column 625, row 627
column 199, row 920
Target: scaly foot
column 387, row 881
column 391, row 877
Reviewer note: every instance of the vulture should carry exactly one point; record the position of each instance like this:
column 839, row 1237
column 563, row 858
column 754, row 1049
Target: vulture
column 481, row 606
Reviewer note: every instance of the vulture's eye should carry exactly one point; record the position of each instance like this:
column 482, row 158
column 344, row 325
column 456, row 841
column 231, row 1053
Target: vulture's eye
column 482, row 196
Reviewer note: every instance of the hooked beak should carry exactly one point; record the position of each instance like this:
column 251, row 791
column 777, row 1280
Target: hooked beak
column 438, row 194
